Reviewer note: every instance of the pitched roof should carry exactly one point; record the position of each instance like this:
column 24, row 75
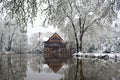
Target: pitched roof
column 55, row 35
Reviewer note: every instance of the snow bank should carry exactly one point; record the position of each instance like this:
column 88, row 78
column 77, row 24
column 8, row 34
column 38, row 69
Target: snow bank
column 80, row 55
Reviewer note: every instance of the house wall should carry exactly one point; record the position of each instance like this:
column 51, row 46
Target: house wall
column 55, row 47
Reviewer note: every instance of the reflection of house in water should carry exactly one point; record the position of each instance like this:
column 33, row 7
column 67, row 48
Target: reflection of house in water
column 54, row 63
column 56, row 47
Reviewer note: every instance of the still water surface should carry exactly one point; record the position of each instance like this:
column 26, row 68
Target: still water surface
column 36, row 67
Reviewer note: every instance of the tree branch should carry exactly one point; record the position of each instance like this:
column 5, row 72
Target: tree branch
column 70, row 7
column 84, row 21
column 80, row 25
column 77, row 8
column 89, row 25
column 103, row 15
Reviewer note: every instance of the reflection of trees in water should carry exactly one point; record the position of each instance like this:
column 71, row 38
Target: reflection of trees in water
column 101, row 70
column 95, row 70
column 13, row 67
column 36, row 62
column 69, row 71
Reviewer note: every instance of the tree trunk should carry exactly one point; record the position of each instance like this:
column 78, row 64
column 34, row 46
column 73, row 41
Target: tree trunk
column 1, row 42
column 9, row 45
column 79, row 62
column 81, row 42
column 81, row 33
column 77, row 47
column 76, row 38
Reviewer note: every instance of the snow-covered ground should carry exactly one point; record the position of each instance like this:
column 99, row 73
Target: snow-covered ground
column 6, row 52
column 106, row 56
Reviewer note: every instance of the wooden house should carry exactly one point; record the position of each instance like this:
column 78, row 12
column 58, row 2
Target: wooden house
column 55, row 47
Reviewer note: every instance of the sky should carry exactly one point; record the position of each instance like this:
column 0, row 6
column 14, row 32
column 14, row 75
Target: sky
column 38, row 27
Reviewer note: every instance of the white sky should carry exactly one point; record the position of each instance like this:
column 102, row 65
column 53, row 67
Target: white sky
column 37, row 27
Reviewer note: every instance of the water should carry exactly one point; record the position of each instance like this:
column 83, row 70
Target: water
column 36, row 67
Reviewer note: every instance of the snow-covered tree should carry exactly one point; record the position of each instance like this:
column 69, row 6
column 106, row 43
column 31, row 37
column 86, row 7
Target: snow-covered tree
column 20, row 44
column 81, row 18
column 10, row 33
column 22, row 10
column 112, row 43
column 36, row 42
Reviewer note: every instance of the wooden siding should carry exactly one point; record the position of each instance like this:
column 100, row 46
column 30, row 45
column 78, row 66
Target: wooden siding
column 55, row 47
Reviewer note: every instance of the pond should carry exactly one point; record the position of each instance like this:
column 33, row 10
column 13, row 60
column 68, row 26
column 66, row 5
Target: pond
column 36, row 67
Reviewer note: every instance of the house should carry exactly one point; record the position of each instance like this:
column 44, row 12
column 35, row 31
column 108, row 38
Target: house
column 55, row 47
